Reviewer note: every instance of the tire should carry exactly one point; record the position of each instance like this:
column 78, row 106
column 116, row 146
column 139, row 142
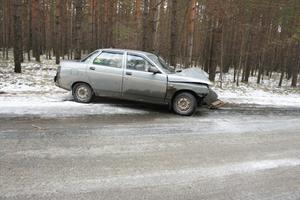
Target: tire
column 82, row 93
column 184, row 104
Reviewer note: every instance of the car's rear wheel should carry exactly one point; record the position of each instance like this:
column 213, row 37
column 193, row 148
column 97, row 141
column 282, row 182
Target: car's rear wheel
column 82, row 93
column 184, row 104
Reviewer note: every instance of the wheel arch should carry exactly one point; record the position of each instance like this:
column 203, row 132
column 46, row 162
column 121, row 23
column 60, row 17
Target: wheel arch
column 78, row 82
column 185, row 90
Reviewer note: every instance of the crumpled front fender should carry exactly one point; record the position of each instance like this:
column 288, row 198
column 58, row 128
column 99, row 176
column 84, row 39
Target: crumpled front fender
column 201, row 90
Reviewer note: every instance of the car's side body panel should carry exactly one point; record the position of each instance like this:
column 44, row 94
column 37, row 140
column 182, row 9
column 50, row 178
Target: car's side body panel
column 106, row 81
column 143, row 85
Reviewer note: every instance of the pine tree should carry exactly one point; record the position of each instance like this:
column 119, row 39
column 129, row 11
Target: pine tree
column 17, row 43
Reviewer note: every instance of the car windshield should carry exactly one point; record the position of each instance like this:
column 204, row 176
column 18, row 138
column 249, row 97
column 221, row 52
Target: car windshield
column 161, row 63
column 89, row 56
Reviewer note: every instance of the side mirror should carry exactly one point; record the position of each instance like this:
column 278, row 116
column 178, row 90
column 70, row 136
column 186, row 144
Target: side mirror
column 153, row 70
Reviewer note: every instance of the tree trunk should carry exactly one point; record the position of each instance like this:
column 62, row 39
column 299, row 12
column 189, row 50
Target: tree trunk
column 3, row 28
column 295, row 74
column 17, row 43
column 6, row 28
column 158, row 6
column 145, row 25
column 90, row 24
column 191, row 29
column 260, row 70
column 29, row 30
column 211, row 56
column 78, row 23
column 173, row 42
column 222, row 56
column 281, row 79
column 242, row 54
column 111, row 20
column 36, row 33
column 57, row 31
column 138, row 22
column 283, row 68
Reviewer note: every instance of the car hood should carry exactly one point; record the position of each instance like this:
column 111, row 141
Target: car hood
column 191, row 75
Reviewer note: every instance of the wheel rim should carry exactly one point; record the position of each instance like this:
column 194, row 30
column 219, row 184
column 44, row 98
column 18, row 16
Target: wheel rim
column 184, row 104
column 82, row 93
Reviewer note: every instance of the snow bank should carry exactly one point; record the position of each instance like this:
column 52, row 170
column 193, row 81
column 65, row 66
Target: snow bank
column 259, row 97
column 267, row 93
column 61, row 105
column 35, row 77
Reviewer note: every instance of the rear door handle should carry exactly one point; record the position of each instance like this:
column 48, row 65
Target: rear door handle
column 129, row 73
column 92, row 68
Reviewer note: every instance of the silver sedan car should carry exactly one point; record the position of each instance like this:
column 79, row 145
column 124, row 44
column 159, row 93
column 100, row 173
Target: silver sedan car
column 138, row 76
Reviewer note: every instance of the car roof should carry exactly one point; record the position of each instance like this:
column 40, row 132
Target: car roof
column 125, row 50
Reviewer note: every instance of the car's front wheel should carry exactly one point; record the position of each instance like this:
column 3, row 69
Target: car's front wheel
column 185, row 104
column 82, row 93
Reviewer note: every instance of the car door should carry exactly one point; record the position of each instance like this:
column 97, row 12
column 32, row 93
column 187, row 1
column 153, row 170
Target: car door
column 139, row 84
column 106, row 72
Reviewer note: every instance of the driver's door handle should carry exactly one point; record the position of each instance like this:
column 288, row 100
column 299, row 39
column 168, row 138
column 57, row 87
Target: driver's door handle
column 92, row 68
column 129, row 73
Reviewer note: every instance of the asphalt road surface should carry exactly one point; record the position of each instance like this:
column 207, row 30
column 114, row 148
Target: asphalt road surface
column 238, row 152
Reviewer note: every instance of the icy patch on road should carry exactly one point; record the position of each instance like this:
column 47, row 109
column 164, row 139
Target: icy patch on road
column 171, row 177
column 188, row 175
column 91, row 152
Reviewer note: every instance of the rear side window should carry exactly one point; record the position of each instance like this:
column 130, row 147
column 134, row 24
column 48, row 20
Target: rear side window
column 109, row 59
column 137, row 63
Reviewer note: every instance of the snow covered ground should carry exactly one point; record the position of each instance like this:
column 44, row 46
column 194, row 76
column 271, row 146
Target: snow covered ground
column 61, row 105
column 267, row 93
column 34, row 93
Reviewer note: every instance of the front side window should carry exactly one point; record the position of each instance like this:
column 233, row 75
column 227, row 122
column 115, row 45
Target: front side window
column 109, row 59
column 137, row 63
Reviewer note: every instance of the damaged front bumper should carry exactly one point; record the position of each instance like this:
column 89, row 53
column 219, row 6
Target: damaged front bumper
column 212, row 100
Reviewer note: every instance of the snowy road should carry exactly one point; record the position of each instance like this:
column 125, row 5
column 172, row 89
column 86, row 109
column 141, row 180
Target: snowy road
column 239, row 152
